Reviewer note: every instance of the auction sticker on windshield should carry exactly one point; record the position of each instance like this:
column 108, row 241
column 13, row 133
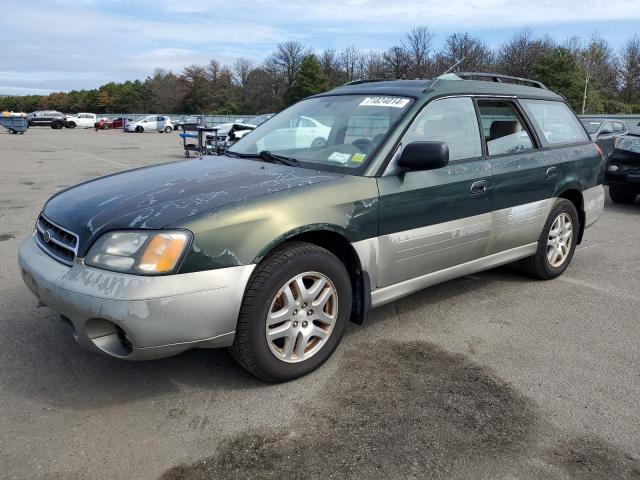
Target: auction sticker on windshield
column 394, row 102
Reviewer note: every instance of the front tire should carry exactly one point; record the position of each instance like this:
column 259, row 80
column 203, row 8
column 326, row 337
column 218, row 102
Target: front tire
column 167, row 129
column 556, row 244
column 70, row 125
column 294, row 312
column 139, row 130
column 619, row 195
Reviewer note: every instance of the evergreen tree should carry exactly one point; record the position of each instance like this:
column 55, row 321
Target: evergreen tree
column 309, row 80
column 561, row 73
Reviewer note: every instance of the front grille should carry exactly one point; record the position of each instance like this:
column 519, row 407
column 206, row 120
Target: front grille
column 57, row 242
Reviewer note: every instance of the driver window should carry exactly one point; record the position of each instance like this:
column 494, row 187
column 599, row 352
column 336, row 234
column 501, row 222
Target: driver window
column 452, row 121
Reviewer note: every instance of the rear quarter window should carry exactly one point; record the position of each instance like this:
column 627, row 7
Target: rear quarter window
column 556, row 121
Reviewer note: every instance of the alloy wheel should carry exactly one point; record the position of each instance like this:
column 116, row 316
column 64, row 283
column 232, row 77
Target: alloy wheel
column 559, row 240
column 301, row 317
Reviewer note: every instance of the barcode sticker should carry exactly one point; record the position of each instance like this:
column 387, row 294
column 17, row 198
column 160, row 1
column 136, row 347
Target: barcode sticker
column 395, row 102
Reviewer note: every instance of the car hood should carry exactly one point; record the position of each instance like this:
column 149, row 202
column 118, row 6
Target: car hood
column 157, row 196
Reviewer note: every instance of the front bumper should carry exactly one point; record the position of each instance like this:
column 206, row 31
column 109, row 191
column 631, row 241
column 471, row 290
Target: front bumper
column 593, row 200
column 137, row 317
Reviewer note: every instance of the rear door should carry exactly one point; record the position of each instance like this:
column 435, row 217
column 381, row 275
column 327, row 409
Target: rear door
column 432, row 220
column 524, row 178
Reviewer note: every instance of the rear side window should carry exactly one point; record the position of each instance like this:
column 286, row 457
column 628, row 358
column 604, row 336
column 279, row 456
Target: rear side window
column 556, row 121
column 503, row 130
column 452, row 121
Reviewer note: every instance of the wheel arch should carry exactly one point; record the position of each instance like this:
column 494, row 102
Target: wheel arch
column 334, row 240
column 574, row 195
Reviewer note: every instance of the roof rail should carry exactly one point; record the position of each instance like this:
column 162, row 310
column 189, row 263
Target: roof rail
column 367, row 80
column 496, row 77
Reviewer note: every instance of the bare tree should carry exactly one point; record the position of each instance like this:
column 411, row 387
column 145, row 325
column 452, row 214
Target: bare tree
column 629, row 68
column 241, row 69
column 330, row 64
column 288, row 57
column 352, row 62
column 599, row 64
column 375, row 67
column 396, row 62
column 473, row 52
column 417, row 47
column 521, row 52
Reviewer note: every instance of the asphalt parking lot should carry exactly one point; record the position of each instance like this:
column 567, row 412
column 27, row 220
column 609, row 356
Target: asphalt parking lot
column 489, row 376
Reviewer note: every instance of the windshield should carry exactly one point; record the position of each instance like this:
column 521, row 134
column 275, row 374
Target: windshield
column 592, row 126
column 340, row 131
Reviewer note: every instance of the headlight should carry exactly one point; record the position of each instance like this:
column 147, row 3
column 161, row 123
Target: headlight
column 629, row 143
column 141, row 252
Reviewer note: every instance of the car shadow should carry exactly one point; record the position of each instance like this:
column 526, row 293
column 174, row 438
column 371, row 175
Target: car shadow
column 43, row 362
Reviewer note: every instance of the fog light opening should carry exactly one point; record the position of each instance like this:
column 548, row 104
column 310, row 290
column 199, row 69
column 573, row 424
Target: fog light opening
column 108, row 337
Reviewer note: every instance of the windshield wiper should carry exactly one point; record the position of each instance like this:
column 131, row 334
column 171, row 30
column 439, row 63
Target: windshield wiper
column 267, row 157
column 273, row 158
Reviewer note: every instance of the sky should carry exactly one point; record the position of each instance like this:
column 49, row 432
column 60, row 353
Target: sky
column 61, row 45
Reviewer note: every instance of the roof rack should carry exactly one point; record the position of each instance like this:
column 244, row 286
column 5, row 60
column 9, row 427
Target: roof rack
column 367, row 80
column 496, row 77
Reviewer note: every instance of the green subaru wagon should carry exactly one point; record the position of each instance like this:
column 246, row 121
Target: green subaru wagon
column 341, row 203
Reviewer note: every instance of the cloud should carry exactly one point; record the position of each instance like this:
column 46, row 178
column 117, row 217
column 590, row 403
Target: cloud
column 63, row 44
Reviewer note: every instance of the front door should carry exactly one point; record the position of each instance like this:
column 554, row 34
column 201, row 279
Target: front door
column 432, row 220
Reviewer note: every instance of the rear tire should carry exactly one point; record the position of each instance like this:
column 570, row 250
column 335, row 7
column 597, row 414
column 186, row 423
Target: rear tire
column 272, row 289
column 57, row 124
column 106, row 126
column 556, row 245
column 167, row 129
column 620, row 195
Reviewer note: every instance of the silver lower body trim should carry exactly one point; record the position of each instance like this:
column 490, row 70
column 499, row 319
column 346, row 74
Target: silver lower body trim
column 160, row 316
column 393, row 292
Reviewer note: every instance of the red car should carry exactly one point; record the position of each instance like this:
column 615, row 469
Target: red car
column 107, row 123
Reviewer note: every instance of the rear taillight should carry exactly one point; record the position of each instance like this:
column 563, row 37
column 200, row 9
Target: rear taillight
column 602, row 155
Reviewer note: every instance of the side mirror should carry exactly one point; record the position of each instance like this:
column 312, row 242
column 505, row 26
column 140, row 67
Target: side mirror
column 424, row 156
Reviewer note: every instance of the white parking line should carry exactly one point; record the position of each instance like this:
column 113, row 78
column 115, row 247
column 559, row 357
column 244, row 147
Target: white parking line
column 79, row 153
column 609, row 291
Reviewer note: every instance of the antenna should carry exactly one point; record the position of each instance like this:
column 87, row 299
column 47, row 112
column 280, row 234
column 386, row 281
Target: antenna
column 448, row 70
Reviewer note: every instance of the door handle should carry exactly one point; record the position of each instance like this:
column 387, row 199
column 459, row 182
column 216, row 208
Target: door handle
column 552, row 172
column 479, row 187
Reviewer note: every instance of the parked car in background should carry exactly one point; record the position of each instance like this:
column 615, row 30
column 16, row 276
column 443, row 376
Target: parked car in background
column 152, row 123
column 604, row 131
column 190, row 122
column 108, row 123
column 46, row 118
column 622, row 170
column 259, row 120
column 308, row 133
column 272, row 253
column 80, row 120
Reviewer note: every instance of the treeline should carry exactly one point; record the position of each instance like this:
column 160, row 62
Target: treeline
column 293, row 71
